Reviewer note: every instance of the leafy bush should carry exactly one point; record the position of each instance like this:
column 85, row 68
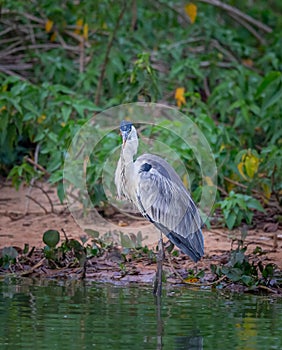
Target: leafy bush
column 238, row 207
column 64, row 63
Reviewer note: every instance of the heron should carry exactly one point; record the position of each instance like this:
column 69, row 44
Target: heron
column 154, row 187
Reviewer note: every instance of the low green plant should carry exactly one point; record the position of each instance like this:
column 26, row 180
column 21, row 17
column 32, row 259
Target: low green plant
column 8, row 257
column 70, row 251
column 238, row 207
column 240, row 270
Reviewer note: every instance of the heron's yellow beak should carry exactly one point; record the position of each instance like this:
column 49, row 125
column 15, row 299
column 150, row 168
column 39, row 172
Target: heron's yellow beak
column 124, row 137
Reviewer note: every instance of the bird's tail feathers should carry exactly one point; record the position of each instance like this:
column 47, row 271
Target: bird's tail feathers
column 192, row 245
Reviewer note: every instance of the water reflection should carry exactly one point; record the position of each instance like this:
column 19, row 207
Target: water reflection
column 75, row 315
column 193, row 341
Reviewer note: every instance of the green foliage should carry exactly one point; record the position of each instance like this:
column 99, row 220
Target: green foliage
column 69, row 252
column 238, row 207
column 51, row 238
column 8, row 257
column 231, row 78
column 240, row 270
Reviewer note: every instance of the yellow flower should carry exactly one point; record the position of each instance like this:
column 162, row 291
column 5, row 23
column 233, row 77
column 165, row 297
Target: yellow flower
column 179, row 96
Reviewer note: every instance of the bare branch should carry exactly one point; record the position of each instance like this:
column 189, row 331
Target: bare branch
column 38, row 203
column 239, row 13
column 248, row 27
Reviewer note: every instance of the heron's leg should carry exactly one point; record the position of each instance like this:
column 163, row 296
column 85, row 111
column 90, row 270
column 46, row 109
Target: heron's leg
column 160, row 257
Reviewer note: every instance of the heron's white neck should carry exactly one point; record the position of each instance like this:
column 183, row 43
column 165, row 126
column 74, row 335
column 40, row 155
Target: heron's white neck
column 130, row 148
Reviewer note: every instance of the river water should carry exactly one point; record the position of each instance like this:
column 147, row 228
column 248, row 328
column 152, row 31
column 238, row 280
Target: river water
column 83, row 315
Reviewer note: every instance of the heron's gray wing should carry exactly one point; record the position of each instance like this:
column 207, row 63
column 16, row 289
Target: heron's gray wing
column 169, row 207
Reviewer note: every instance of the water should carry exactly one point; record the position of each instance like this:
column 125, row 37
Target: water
column 75, row 315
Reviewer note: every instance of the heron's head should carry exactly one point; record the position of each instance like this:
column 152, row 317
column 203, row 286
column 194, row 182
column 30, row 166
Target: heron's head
column 128, row 131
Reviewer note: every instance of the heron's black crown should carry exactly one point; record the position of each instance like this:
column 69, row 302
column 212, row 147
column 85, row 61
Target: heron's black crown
column 145, row 167
column 125, row 126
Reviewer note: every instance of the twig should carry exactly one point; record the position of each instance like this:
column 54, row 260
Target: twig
column 35, row 201
column 222, row 190
column 48, row 197
column 24, row 273
column 36, row 165
column 24, row 14
column 134, row 15
column 9, row 72
column 107, row 55
column 172, row 8
column 248, row 27
column 125, row 213
column 224, row 51
column 66, row 237
column 234, row 10
column 267, row 288
column 37, row 46
column 81, row 57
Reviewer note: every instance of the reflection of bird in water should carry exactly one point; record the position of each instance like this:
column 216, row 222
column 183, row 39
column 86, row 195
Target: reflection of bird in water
column 159, row 194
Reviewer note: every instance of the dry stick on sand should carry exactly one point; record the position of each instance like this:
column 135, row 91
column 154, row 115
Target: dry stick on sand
column 31, row 270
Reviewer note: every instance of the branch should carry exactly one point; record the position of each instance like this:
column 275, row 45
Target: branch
column 248, row 27
column 38, row 166
column 239, row 13
column 48, row 197
column 38, row 203
column 107, row 55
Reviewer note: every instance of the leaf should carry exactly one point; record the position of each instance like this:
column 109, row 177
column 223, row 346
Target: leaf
column 274, row 99
column 51, row 238
column 60, row 191
column 266, row 190
column 191, row 11
column 93, row 233
column 49, row 25
column 230, row 220
column 270, row 78
column 191, row 280
column 179, row 96
column 240, row 167
column 255, row 204
column 185, row 181
column 247, row 280
column 41, row 119
column 79, row 24
column 10, row 252
column 53, row 37
column 248, row 62
column 208, row 181
column 251, row 165
column 85, row 31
